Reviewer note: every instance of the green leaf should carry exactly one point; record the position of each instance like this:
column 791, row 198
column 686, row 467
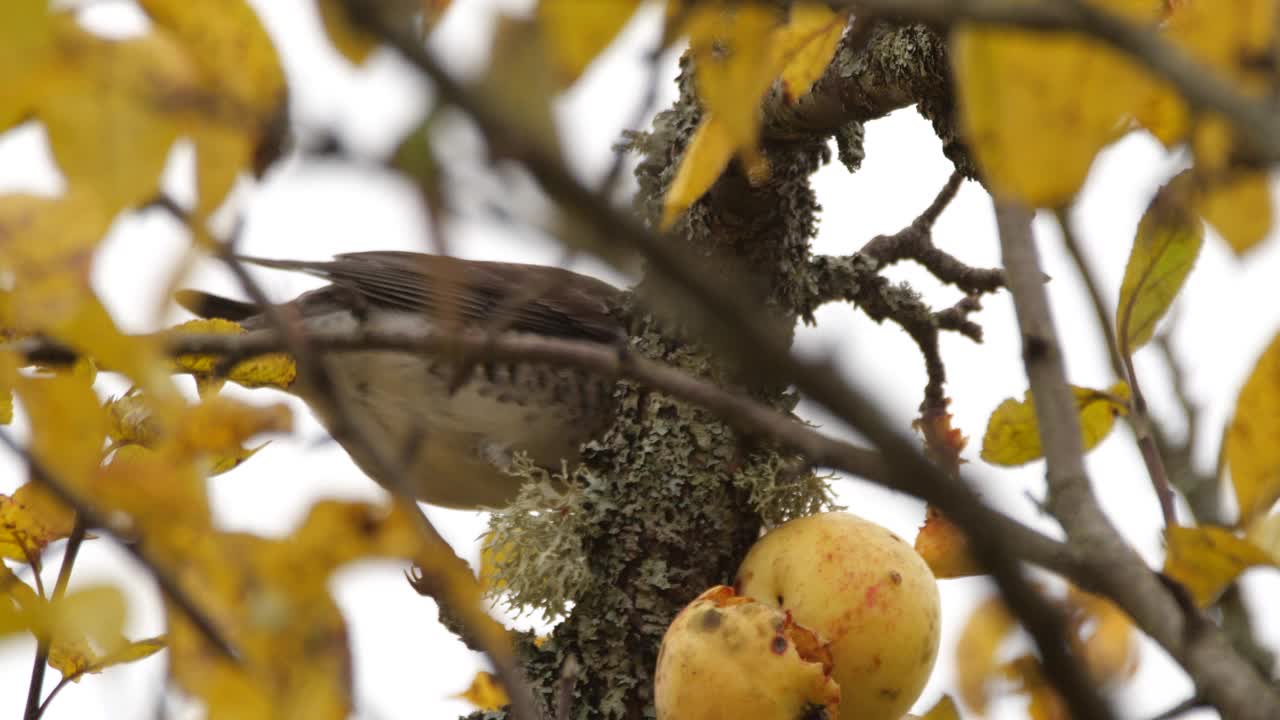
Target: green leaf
column 1166, row 246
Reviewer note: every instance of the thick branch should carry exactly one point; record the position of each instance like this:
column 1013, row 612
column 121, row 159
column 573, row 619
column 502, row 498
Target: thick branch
column 1226, row 679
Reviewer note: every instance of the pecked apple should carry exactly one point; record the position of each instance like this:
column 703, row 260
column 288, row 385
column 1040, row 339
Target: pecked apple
column 862, row 589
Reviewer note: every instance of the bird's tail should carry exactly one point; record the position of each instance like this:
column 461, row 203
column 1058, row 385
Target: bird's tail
column 208, row 305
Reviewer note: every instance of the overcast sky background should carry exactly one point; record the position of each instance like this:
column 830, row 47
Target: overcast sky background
column 406, row 664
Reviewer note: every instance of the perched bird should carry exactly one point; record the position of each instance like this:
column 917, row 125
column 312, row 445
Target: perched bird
column 459, row 433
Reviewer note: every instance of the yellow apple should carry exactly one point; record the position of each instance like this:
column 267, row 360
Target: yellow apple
column 727, row 657
column 865, row 591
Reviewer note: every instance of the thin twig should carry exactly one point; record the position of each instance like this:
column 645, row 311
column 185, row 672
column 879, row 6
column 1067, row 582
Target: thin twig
column 168, row 585
column 34, row 707
column 1090, row 280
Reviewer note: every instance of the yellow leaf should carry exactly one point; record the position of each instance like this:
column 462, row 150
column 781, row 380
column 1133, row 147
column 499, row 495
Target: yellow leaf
column 68, row 427
column 25, row 50
column 140, row 94
column 30, row 520
column 272, row 370
column 1034, row 101
column 1206, row 559
column 734, row 65
column 131, row 652
column 704, row 159
column 1264, row 533
column 8, row 371
column 806, row 45
column 1240, row 209
column 945, row 547
column 1228, row 36
column 492, row 559
column 1164, row 250
column 48, row 244
column 1013, row 434
column 485, row 693
column 228, row 44
column 92, row 615
column 576, row 32
column 1102, row 637
column 944, row 709
column 976, row 660
column 520, row 80
column 1252, row 445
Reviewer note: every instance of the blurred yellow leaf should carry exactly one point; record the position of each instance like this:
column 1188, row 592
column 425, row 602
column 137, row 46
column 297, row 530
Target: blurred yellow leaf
column 1013, row 434
column 806, row 45
column 228, row 44
column 945, row 547
column 30, row 519
column 68, row 427
column 976, row 652
column 492, row 559
column 1102, row 637
column 1252, row 446
column 8, row 371
column 1044, row 701
column 213, row 429
column 734, row 65
column 520, row 80
column 576, row 32
column 76, row 662
column 48, row 244
column 1240, row 209
column 273, row 370
column 944, row 709
column 485, row 692
column 139, row 93
column 1032, row 101
column 1264, row 533
column 25, row 50
column 1206, row 559
column 704, row 159
column 227, row 41
column 1229, row 36
column 275, row 600
column 94, row 614
column 1165, row 248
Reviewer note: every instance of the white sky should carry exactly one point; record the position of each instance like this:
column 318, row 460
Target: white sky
column 406, row 664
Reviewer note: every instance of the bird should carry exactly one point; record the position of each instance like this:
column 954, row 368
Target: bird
column 458, row 424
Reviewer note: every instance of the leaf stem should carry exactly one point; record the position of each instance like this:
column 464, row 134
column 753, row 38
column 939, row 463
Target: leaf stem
column 1141, row 422
column 34, row 707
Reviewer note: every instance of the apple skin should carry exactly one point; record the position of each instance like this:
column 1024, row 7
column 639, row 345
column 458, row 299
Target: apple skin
column 865, row 591
column 727, row 657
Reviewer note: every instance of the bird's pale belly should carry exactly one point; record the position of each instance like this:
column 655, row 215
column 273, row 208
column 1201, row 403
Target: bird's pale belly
column 456, row 446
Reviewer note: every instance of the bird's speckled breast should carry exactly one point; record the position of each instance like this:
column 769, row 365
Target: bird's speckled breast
column 457, row 444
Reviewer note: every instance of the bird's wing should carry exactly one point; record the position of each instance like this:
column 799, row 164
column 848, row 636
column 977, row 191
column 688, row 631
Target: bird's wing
column 533, row 298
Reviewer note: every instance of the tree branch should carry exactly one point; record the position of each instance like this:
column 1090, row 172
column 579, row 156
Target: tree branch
column 1225, row 678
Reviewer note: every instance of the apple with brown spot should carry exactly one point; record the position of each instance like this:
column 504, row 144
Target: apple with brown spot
column 727, row 657
column 865, row 591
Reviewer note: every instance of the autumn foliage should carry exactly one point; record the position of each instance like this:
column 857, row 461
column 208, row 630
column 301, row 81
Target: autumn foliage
column 252, row 629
